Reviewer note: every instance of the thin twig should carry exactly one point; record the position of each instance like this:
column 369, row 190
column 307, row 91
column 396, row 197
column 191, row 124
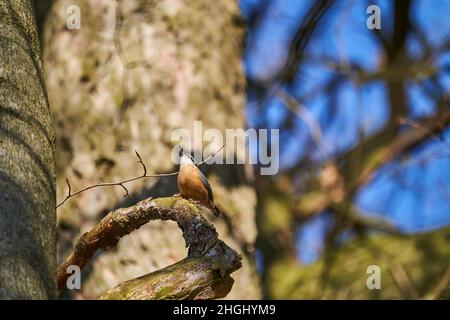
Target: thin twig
column 120, row 183
column 141, row 162
column 211, row 156
column 127, row 194
column 111, row 184
column 70, row 188
column 123, row 182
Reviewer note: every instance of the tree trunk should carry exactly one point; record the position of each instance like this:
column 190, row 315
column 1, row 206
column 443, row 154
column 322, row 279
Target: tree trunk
column 133, row 73
column 27, row 172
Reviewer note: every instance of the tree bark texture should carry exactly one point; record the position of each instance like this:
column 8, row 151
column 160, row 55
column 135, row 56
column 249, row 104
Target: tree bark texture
column 133, row 73
column 27, row 162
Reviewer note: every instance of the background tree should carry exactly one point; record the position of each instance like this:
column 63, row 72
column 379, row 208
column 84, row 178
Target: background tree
column 364, row 118
column 133, row 73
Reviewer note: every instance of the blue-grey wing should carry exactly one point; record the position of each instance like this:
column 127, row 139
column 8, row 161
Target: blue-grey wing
column 207, row 185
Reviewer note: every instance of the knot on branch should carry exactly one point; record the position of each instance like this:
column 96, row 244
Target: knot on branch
column 203, row 274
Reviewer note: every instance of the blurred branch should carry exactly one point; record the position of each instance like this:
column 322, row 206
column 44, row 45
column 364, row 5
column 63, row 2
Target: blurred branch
column 322, row 194
column 356, row 219
column 440, row 287
column 399, row 275
column 301, row 39
column 405, row 141
column 257, row 14
column 299, row 110
column 423, row 258
column 381, row 38
column 368, row 149
column 296, row 53
column 203, row 274
column 401, row 70
column 402, row 280
column 325, row 191
column 401, row 28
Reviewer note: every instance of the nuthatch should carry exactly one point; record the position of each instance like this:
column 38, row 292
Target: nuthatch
column 194, row 185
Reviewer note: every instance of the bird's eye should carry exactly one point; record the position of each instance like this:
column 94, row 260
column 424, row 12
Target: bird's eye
column 180, row 153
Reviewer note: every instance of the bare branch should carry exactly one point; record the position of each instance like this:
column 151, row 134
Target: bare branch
column 211, row 156
column 70, row 188
column 120, row 184
column 142, row 163
column 123, row 182
column 127, row 194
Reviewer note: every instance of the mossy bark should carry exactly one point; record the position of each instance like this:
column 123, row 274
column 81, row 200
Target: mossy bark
column 27, row 163
column 203, row 274
column 192, row 278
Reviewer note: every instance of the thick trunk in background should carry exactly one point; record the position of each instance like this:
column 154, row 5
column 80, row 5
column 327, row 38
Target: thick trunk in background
column 27, row 172
column 133, row 73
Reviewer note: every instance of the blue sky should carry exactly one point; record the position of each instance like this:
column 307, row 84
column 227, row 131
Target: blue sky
column 413, row 193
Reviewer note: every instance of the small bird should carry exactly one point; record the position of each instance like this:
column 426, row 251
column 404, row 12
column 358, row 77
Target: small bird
column 193, row 184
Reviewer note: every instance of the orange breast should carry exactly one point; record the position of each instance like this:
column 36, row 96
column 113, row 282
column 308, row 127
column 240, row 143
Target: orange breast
column 190, row 184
